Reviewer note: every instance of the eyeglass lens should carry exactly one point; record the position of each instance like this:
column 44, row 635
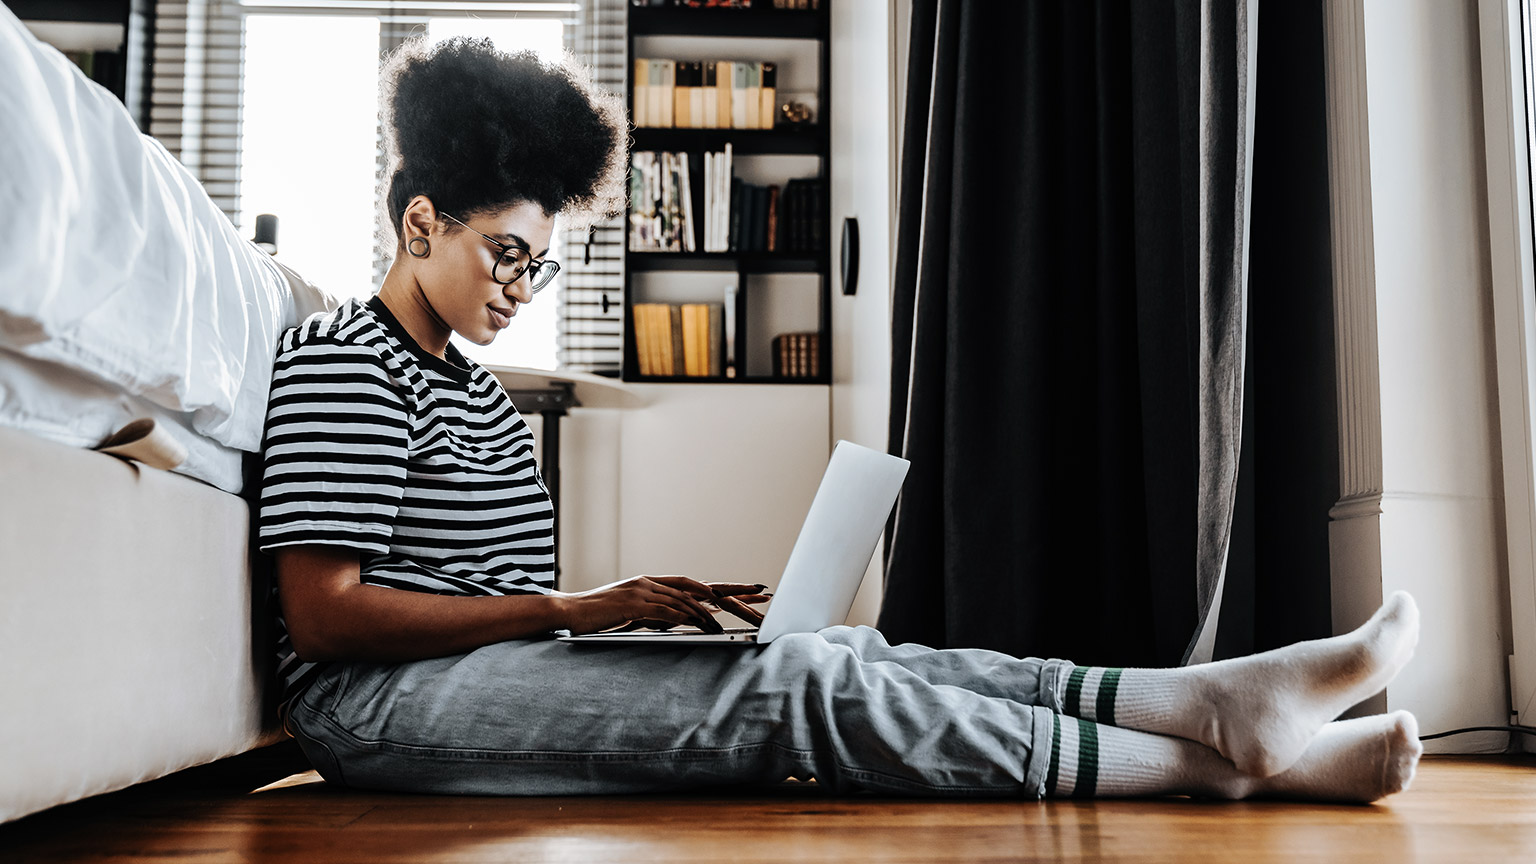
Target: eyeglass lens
column 511, row 265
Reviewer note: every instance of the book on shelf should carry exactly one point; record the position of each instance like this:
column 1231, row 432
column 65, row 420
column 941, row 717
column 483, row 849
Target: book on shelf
column 661, row 202
column 640, row 92
column 729, row 4
column 709, row 98
column 680, row 339
column 796, row 355
column 767, row 95
column 685, row 192
column 770, row 236
column 728, row 312
column 674, row 319
column 734, row 219
column 654, row 100
column 704, row 94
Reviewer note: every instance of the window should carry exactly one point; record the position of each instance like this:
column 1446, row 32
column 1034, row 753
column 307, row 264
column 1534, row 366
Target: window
column 1509, row 136
column 234, row 96
column 308, row 154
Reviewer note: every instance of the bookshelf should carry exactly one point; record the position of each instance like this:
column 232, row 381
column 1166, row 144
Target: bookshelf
column 108, row 39
column 780, row 292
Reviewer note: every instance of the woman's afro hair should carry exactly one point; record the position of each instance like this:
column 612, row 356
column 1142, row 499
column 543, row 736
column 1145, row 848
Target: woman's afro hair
column 477, row 129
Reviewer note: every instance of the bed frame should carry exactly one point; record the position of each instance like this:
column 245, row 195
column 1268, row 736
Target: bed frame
column 127, row 602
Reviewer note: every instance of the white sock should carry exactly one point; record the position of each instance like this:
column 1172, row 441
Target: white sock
column 1353, row 761
column 1356, row 761
column 1262, row 711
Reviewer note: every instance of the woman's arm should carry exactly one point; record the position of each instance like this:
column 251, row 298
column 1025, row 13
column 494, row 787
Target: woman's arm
column 332, row 615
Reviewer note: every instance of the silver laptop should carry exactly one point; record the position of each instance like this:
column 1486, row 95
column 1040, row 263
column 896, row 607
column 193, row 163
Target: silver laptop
column 828, row 561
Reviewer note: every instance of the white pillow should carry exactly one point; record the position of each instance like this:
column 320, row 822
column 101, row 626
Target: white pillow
column 115, row 262
column 70, row 407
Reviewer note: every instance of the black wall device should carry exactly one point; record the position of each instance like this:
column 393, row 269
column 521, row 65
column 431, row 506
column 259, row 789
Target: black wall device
column 850, row 256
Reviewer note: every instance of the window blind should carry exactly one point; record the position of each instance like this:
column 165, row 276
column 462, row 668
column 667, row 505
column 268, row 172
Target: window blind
column 194, row 107
column 591, row 306
column 195, row 111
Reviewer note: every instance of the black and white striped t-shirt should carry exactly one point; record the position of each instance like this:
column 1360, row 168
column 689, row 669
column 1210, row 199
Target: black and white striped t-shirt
column 421, row 464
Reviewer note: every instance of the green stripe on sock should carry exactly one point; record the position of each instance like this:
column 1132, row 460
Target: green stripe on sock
column 1104, row 709
column 1053, row 772
column 1074, row 696
column 1087, row 759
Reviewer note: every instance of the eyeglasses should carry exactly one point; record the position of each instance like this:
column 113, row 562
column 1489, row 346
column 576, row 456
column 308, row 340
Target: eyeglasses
column 514, row 261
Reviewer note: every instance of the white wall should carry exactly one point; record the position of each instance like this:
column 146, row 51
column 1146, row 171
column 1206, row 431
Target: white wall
column 702, row 480
column 1421, row 502
column 862, row 131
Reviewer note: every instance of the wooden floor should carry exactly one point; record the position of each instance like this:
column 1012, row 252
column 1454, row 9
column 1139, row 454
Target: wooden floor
column 266, row 807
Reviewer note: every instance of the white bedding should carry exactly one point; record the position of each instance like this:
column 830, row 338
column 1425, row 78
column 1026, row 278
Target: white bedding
column 114, row 261
column 70, row 407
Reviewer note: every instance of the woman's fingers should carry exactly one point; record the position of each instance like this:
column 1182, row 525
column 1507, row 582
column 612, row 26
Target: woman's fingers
column 684, row 597
column 685, row 603
column 693, row 587
column 741, row 610
column 735, row 589
column 680, row 615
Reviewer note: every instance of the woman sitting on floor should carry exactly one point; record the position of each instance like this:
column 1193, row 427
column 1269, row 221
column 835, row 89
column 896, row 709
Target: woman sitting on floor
column 414, row 547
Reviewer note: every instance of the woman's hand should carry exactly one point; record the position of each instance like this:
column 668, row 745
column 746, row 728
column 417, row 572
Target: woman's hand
column 667, row 600
column 661, row 602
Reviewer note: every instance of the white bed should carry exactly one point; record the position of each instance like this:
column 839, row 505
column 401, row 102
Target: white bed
column 133, row 614
column 127, row 603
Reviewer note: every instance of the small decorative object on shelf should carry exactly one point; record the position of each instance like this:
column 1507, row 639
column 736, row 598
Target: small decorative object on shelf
column 795, row 113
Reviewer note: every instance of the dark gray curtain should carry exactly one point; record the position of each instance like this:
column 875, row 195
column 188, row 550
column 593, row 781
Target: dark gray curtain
column 1277, row 585
column 1069, row 325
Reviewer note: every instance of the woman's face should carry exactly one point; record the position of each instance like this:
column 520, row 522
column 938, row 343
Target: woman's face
column 456, row 276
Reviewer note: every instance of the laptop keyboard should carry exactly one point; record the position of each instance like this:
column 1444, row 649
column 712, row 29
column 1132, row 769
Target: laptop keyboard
column 694, row 631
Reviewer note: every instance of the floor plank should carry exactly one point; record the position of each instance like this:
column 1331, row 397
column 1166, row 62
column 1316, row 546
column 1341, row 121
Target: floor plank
column 265, row 807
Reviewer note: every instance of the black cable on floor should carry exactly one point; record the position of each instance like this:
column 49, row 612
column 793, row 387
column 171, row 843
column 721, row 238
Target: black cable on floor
column 1528, row 730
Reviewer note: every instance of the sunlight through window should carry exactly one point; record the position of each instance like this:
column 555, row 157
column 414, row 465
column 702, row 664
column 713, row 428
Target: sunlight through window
column 308, row 153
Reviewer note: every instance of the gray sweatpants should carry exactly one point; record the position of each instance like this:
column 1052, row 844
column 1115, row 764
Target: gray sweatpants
column 549, row 718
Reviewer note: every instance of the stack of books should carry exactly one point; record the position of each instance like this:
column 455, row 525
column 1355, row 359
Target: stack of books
column 796, row 355
column 737, row 216
column 685, row 339
column 778, row 219
column 661, row 202
column 705, row 94
column 718, row 186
